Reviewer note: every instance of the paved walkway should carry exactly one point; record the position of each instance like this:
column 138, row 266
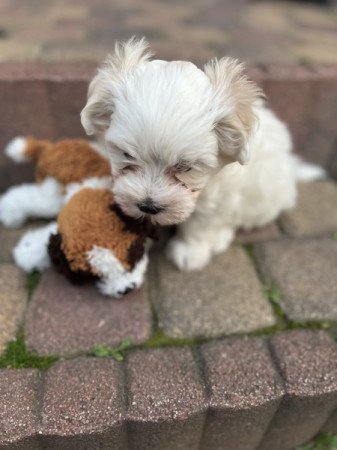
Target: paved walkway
column 252, row 335
column 239, row 356
column 256, row 31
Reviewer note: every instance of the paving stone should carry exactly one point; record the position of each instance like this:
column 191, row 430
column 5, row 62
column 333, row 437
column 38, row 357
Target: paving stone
column 19, row 400
column 24, row 110
column 315, row 213
column 289, row 89
column 307, row 361
column 268, row 232
column 67, row 99
column 13, row 300
column 331, row 425
column 306, row 273
column 166, row 400
column 64, row 318
column 225, row 297
column 245, row 391
column 83, row 405
column 322, row 133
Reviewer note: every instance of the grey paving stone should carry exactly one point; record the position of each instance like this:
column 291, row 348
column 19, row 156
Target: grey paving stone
column 307, row 361
column 166, row 400
column 316, row 210
column 19, row 400
column 306, row 273
column 13, row 300
column 63, row 318
column 331, row 425
column 245, row 391
column 83, row 406
column 226, row 297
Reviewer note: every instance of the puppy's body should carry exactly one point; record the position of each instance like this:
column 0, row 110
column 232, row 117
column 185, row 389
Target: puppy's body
column 178, row 138
column 240, row 196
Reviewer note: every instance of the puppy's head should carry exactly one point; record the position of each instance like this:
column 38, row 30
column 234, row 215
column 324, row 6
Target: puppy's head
column 168, row 127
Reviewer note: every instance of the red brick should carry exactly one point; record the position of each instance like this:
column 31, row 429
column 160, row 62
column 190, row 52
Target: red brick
column 63, row 318
column 67, row 99
column 289, row 90
column 19, row 411
column 24, row 110
column 166, row 400
column 83, row 405
column 331, row 425
column 245, row 391
column 307, row 361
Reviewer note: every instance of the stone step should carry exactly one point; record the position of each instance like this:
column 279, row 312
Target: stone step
column 238, row 393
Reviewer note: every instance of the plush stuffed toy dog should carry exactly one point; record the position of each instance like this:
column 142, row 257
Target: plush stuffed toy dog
column 57, row 165
column 92, row 238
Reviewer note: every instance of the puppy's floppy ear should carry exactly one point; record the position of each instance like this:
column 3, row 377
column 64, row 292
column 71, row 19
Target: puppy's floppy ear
column 233, row 99
column 96, row 115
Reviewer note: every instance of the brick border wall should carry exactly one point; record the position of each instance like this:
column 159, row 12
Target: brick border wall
column 45, row 100
column 237, row 393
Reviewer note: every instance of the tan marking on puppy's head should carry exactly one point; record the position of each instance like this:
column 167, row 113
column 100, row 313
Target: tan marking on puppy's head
column 234, row 96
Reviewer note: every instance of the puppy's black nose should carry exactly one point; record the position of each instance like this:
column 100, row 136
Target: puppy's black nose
column 147, row 206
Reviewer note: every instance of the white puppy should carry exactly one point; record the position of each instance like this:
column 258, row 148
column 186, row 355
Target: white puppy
column 191, row 147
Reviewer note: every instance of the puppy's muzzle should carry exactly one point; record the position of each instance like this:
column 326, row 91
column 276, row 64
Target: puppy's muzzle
column 149, row 207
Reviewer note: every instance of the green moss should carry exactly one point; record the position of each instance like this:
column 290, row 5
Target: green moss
column 304, row 61
column 117, row 353
column 159, row 339
column 32, row 281
column 17, row 356
column 334, row 236
column 323, row 441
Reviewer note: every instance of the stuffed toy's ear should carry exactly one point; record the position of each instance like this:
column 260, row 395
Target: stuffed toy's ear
column 233, row 99
column 96, row 115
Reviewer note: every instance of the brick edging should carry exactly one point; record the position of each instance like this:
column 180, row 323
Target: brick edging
column 46, row 99
column 245, row 392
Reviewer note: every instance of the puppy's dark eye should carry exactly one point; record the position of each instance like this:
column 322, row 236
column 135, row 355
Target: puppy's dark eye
column 182, row 166
column 128, row 156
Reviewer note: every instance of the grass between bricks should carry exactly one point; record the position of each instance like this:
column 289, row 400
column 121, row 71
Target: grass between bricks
column 323, row 441
column 32, row 280
column 17, row 356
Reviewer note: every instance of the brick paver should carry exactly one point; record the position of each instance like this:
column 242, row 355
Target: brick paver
column 166, row 400
column 63, row 318
column 83, row 405
column 226, row 297
column 306, row 273
column 307, row 361
column 315, row 212
column 245, row 391
column 13, row 299
column 258, row 31
column 19, row 421
column 331, row 425
column 225, row 394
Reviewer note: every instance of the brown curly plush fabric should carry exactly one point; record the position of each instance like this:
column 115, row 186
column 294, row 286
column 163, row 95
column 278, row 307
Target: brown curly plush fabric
column 69, row 160
column 88, row 220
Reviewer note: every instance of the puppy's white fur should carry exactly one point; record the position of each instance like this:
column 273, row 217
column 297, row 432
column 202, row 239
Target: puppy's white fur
column 179, row 137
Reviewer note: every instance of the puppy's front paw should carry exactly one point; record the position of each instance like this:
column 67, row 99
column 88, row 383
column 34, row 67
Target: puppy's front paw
column 188, row 255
